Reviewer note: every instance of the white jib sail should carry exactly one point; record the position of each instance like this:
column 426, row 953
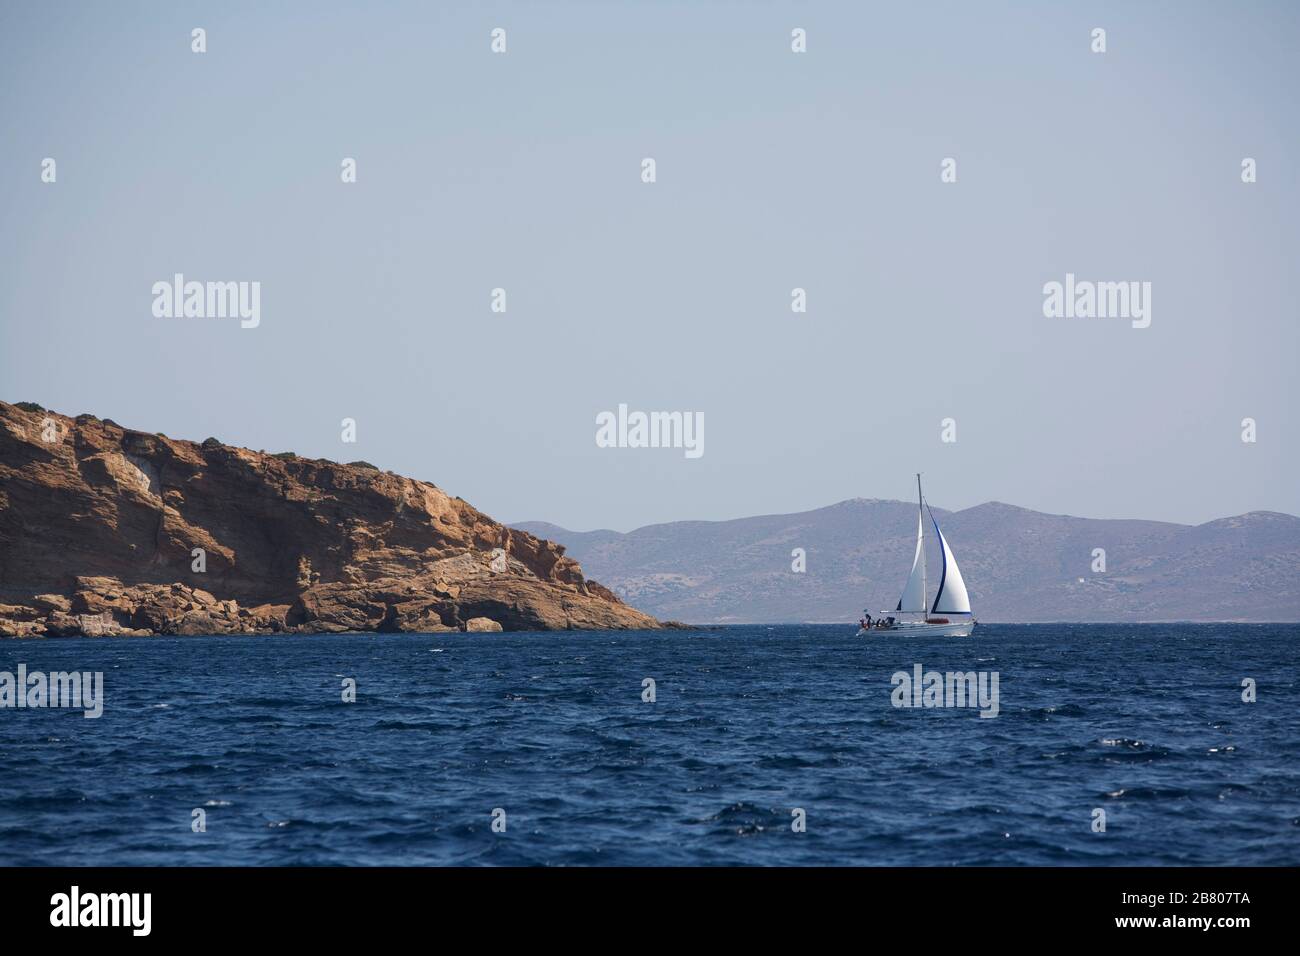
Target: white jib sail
column 952, row 597
column 914, row 593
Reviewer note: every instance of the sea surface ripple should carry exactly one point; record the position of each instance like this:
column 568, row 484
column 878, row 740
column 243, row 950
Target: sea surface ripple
column 1145, row 722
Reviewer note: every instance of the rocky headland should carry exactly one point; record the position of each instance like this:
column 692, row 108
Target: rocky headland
column 107, row 531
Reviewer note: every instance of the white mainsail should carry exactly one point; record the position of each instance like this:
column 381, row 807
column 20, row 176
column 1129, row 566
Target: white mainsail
column 952, row 597
column 913, row 598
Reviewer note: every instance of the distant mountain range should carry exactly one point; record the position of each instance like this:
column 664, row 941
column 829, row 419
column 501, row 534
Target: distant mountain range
column 1019, row 565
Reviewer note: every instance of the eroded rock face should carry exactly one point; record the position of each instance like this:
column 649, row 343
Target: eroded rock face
column 99, row 527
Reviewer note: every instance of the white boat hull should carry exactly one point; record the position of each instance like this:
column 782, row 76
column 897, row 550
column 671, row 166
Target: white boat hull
column 917, row 629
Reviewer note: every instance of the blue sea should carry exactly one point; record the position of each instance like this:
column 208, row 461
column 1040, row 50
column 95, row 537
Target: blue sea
column 752, row 732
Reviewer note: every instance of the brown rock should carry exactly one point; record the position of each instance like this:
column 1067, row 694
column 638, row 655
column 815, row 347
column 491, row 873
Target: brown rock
column 481, row 624
column 12, row 628
column 50, row 602
column 423, row 617
column 97, row 530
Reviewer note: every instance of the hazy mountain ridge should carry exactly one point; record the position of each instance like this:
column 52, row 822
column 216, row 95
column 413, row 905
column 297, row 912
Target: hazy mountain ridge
column 1019, row 565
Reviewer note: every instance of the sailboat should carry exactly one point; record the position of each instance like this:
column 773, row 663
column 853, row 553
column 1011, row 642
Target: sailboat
column 950, row 614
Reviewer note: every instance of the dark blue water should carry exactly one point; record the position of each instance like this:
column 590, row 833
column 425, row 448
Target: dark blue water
column 1145, row 722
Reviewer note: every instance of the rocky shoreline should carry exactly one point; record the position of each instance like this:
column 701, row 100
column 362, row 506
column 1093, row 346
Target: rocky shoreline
column 106, row 531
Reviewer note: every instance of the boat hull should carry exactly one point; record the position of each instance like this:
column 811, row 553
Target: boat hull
column 917, row 629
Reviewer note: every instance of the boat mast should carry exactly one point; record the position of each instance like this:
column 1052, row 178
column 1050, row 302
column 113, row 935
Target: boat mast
column 920, row 506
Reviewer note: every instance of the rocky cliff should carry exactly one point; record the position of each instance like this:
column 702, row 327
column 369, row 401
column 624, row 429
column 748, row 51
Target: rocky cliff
column 108, row 531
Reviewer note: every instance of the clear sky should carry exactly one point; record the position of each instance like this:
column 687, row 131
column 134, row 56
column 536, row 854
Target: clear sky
column 775, row 170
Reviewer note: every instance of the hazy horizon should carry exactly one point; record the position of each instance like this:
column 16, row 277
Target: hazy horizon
column 937, row 507
column 775, row 170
